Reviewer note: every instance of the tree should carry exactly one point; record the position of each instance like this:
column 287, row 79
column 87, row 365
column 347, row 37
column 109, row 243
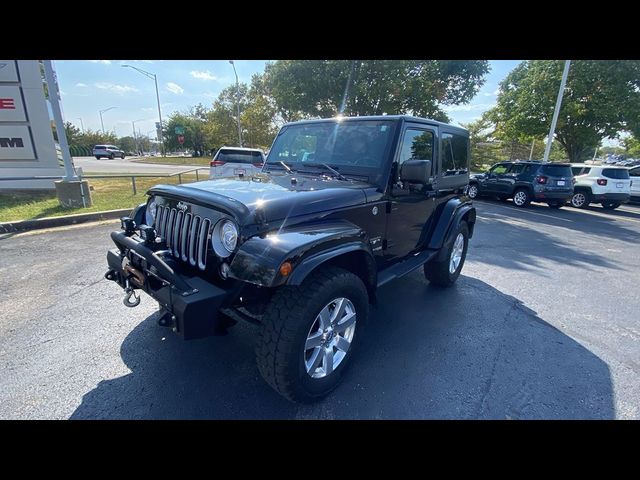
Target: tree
column 128, row 144
column 316, row 88
column 601, row 99
column 632, row 147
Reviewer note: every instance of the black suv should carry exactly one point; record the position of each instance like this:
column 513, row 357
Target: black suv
column 525, row 181
column 341, row 207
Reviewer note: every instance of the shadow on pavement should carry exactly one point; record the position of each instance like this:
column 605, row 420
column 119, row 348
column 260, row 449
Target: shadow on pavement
column 465, row 352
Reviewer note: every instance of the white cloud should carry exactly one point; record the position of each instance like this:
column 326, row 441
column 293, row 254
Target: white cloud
column 467, row 108
column 104, row 62
column 115, row 88
column 81, row 84
column 175, row 88
column 200, row 75
column 147, row 109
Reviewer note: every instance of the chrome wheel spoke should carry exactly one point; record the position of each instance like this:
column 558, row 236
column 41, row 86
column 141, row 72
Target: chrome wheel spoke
column 313, row 341
column 343, row 344
column 338, row 311
column 325, row 318
column 314, row 361
column 327, row 361
column 346, row 322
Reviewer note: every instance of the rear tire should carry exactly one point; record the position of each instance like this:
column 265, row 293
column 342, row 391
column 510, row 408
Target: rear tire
column 442, row 273
column 292, row 318
column 111, row 156
column 610, row 205
column 122, row 157
column 98, row 157
column 472, row 191
column 521, row 197
column 581, row 199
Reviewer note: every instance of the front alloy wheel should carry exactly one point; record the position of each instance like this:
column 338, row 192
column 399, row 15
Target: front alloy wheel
column 309, row 333
column 472, row 192
column 330, row 337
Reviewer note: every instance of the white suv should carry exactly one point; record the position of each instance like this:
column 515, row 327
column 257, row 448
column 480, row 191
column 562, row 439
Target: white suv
column 634, row 173
column 232, row 161
column 604, row 184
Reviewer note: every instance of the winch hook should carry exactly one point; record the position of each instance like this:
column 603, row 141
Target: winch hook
column 128, row 293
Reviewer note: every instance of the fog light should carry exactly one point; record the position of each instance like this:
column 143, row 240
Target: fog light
column 147, row 233
column 224, row 270
column 128, row 225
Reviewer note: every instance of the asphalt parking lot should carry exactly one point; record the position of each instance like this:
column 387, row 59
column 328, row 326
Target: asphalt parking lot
column 543, row 324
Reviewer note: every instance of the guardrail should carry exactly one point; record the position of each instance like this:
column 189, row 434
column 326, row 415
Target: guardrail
column 133, row 176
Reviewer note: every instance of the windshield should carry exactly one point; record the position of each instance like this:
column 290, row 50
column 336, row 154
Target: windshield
column 357, row 146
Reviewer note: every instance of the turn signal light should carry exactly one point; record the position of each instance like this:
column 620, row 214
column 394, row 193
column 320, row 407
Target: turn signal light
column 602, row 181
column 285, row 269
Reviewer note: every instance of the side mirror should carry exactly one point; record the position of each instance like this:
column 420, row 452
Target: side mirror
column 416, row 171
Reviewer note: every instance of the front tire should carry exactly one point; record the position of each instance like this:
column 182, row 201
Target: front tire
column 445, row 272
column 111, row 156
column 122, row 156
column 309, row 333
column 521, row 198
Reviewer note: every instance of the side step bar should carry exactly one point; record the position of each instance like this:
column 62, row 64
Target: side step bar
column 406, row 266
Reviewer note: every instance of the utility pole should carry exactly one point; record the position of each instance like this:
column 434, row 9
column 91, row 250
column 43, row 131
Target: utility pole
column 552, row 130
column 238, row 102
column 531, row 152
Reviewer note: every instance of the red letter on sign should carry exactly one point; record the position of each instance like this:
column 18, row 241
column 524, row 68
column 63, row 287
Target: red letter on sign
column 7, row 104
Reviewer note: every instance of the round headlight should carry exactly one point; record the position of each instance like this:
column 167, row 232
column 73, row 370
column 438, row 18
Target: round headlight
column 150, row 213
column 224, row 238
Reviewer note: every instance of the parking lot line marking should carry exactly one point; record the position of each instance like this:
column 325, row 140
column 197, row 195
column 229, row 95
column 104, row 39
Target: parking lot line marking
column 588, row 212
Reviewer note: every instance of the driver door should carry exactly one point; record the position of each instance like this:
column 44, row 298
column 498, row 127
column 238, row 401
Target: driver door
column 410, row 205
column 494, row 176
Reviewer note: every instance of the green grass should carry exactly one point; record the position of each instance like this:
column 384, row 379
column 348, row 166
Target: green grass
column 107, row 194
column 174, row 160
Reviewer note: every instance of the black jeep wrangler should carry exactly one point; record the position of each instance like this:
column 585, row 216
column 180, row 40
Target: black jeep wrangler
column 341, row 207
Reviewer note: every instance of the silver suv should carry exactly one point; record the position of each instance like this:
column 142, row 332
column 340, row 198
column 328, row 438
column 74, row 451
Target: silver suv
column 107, row 151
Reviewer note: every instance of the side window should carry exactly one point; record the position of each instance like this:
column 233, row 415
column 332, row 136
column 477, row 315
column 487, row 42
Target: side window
column 585, row 171
column 635, row 172
column 416, row 145
column 455, row 154
column 517, row 169
column 499, row 169
column 576, row 170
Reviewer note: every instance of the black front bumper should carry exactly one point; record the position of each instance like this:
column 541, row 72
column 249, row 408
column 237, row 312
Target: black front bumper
column 191, row 302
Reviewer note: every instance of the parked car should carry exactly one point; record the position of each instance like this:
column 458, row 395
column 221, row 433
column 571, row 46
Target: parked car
column 301, row 248
column 608, row 185
column 107, row 151
column 525, row 181
column 233, row 161
column 634, row 187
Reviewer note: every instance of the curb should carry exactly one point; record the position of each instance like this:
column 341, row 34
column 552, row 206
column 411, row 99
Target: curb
column 49, row 222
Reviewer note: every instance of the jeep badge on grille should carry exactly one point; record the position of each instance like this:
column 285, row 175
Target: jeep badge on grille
column 182, row 206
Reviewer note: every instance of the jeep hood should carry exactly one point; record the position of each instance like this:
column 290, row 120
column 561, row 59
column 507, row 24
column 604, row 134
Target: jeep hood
column 269, row 197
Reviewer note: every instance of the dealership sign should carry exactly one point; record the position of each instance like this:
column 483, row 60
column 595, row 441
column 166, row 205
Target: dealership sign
column 11, row 105
column 15, row 143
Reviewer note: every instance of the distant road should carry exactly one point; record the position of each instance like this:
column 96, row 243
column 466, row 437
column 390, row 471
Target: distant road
column 117, row 165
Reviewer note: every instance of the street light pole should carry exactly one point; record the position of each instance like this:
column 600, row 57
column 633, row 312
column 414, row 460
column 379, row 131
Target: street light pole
column 101, row 112
column 552, row 130
column 81, row 124
column 238, row 102
column 155, row 79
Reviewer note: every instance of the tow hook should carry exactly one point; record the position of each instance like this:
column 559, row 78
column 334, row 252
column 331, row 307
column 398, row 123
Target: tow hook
column 128, row 293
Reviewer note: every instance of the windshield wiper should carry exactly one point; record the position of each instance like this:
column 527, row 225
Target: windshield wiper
column 286, row 166
column 330, row 168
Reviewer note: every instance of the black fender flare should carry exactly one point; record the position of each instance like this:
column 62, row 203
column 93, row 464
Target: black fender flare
column 258, row 259
column 138, row 214
column 454, row 212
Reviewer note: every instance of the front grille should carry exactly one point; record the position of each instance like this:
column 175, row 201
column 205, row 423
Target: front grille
column 186, row 235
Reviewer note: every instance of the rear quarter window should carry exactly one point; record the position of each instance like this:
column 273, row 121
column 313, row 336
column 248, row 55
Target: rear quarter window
column 235, row 156
column 556, row 170
column 617, row 173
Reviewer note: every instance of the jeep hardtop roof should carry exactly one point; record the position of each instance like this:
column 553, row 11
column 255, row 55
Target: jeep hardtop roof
column 406, row 118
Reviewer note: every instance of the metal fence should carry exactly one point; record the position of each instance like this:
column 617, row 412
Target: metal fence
column 132, row 176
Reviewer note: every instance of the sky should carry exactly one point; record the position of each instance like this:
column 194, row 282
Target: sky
column 88, row 86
